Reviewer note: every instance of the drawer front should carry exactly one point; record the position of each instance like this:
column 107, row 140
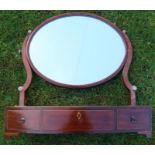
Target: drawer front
column 77, row 120
column 23, row 120
column 54, row 120
column 133, row 119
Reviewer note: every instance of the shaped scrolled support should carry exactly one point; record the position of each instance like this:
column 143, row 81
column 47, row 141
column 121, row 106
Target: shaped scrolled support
column 125, row 71
column 27, row 83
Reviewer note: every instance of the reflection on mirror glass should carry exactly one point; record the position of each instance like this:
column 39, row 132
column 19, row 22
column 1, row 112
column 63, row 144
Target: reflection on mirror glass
column 77, row 50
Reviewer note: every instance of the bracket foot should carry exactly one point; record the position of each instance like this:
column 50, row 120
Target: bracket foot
column 8, row 135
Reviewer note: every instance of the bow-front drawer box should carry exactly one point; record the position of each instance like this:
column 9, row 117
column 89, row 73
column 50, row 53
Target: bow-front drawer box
column 86, row 119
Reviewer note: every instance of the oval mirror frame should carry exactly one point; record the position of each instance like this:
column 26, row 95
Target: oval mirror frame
column 32, row 34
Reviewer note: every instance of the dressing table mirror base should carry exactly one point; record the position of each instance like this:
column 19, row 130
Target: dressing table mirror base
column 86, row 119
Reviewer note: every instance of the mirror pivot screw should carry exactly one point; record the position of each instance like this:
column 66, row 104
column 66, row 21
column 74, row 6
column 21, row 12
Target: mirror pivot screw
column 29, row 31
column 20, row 88
column 134, row 88
column 124, row 31
column 19, row 51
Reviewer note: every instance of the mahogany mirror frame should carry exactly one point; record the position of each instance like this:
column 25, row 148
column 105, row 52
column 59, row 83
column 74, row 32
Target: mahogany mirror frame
column 78, row 119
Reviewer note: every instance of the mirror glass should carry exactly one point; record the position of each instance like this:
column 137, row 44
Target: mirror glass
column 76, row 50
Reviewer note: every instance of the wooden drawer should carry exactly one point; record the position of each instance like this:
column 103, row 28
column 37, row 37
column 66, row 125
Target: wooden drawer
column 54, row 120
column 20, row 120
column 133, row 119
column 78, row 120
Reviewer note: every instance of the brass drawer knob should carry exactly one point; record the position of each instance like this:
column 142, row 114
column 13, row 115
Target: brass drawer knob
column 22, row 120
column 132, row 119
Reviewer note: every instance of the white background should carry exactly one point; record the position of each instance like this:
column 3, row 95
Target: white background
column 78, row 4
column 77, row 150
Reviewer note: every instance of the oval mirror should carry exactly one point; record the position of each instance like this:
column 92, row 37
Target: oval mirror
column 76, row 50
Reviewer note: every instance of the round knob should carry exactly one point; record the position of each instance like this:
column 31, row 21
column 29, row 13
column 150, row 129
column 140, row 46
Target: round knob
column 132, row 119
column 22, row 120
